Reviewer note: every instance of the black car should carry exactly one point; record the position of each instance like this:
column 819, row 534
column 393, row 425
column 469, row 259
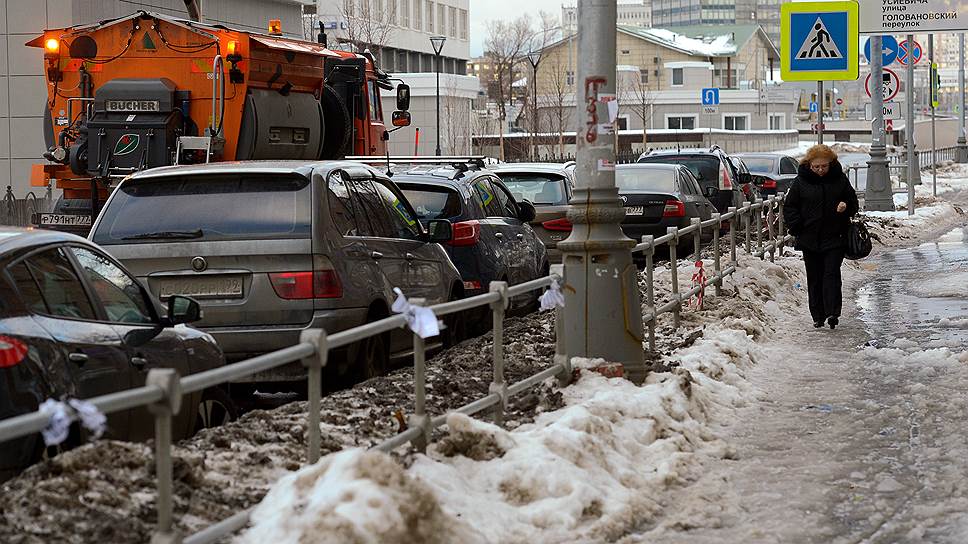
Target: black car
column 74, row 323
column 772, row 172
column 712, row 168
column 492, row 238
column 659, row 196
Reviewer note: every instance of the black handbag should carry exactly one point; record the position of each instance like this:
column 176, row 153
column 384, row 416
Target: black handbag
column 858, row 239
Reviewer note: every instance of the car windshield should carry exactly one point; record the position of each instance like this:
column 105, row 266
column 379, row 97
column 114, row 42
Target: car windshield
column 704, row 167
column 222, row 207
column 432, row 202
column 764, row 165
column 539, row 189
column 634, row 179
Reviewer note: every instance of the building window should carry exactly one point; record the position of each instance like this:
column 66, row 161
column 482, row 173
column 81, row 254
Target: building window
column 570, row 77
column 441, row 19
column 736, row 122
column 644, row 77
column 430, row 16
column 681, row 122
column 463, row 24
column 453, row 21
column 625, row 51
column 418, row 14
column 776, row 121
column 405, row 13
column 677, row 77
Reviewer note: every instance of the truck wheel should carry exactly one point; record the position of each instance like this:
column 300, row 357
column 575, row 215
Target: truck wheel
column 337, row 124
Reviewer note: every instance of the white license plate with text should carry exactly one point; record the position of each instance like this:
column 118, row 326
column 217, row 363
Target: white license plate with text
column 634, row 210
column 201, row 287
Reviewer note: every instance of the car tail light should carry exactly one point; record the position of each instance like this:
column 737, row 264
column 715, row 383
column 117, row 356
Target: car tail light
column 674, row 208
column 769, row 183
column 466, row 233
column 323, row 282
column 12, row 351
column 473, row 284
column 560, row 224
column 727, row 183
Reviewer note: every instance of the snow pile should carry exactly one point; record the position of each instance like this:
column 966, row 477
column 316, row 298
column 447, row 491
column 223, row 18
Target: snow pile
column 591, row 470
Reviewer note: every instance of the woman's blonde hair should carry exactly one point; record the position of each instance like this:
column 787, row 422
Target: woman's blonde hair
column 819, row 151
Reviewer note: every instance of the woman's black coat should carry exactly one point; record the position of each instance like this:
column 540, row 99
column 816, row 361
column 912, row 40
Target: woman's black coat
column 810, row 209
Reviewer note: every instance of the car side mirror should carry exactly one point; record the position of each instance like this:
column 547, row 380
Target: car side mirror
column 403, row 97
column 439, row 231
column 526, row 211
column 709, row 191
column 183, row 309
column 401, row 118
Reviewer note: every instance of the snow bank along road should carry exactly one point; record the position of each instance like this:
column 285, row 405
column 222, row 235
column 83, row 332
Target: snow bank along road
column 752, row 427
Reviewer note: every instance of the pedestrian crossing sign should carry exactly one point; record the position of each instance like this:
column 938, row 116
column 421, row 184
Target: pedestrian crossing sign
column 819, row 41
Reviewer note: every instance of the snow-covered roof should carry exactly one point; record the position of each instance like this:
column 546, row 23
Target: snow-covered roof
column 523, row 82
column 712, row 46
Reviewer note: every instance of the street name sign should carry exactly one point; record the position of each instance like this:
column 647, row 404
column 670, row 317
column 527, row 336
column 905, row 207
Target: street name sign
column 819, row 41
column 913, row 16
column 892, row 110
column 889, row 49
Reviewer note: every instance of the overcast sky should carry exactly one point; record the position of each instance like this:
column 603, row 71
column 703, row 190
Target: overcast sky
column 482, row 11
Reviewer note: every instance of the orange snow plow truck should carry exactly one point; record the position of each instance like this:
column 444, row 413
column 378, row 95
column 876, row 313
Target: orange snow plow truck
column 149, row 90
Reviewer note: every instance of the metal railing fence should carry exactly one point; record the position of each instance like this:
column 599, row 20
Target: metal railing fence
column 163, row 391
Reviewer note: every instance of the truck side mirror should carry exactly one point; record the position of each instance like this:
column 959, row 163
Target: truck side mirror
column 403, row 97
column 401, row 119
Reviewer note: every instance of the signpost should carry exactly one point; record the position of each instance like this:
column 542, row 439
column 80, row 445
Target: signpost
column 710, row 100
column 889, row 111
column 820, row 42
column 934, row 104
column 890, row 85
column 928, row 16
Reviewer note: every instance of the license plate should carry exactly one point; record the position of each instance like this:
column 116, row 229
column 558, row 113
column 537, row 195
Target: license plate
column 201, row 287
column 63, row 220
column 634, row 210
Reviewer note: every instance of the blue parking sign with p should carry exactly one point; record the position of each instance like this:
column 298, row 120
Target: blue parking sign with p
column 820, row 41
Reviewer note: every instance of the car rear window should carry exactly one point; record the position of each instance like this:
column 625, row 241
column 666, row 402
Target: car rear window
column 704, row 167
column 223, row 207
column 630, row 180
column 764, row 165
column 432, row 202
column 539, row 189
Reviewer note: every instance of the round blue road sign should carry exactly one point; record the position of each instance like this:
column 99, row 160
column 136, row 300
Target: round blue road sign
column 889, row 51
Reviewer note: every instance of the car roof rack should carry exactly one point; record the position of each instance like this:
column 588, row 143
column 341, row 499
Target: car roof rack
column 455, row 161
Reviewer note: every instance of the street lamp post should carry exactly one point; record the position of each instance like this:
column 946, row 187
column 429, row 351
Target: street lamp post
column 438, row 44
column 962, row 156
column 534, row 57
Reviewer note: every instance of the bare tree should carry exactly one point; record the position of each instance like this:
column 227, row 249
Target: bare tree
column 556, row 96
column 547, row 30
column 635, row 91
column 505, row 43
column 369, row 23
column 457, row 120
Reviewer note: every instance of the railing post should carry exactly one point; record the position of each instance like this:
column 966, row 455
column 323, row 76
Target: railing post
column 696, row 242
column 758, row 218
column 649, row 288
column 733, row 221
column 674, row 265
column 717, row 264
column 747, row 213
column 167, row 380
column 314, row 388
column 499, row 385
column 419, row 418
column 769, row 228
column 561, row 351
column 781, row 227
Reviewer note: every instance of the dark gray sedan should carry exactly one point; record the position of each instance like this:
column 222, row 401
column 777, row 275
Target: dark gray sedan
column 658, row 196
column 772, row 172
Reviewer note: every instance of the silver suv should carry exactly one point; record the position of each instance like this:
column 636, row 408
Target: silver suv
column 270, row 249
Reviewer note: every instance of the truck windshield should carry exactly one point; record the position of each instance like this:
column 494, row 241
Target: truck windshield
column 200, row 208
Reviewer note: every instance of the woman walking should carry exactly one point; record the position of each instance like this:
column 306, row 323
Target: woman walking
column 817, row 211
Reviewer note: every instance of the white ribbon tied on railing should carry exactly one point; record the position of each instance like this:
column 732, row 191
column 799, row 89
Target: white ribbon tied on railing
column 61, row 414
column 421, row 320
column 552, row 298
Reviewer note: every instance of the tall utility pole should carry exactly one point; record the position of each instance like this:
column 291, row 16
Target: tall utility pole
column 879, row 197
column 603, row 315
column 912, row 159
column 962, row 156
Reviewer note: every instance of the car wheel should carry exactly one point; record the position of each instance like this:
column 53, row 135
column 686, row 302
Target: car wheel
column 373, row 356
column 455, row 324
column 215, row 409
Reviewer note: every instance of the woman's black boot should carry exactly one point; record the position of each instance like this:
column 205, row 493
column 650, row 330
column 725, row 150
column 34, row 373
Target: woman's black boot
column 832, row 321
column 818, row 324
